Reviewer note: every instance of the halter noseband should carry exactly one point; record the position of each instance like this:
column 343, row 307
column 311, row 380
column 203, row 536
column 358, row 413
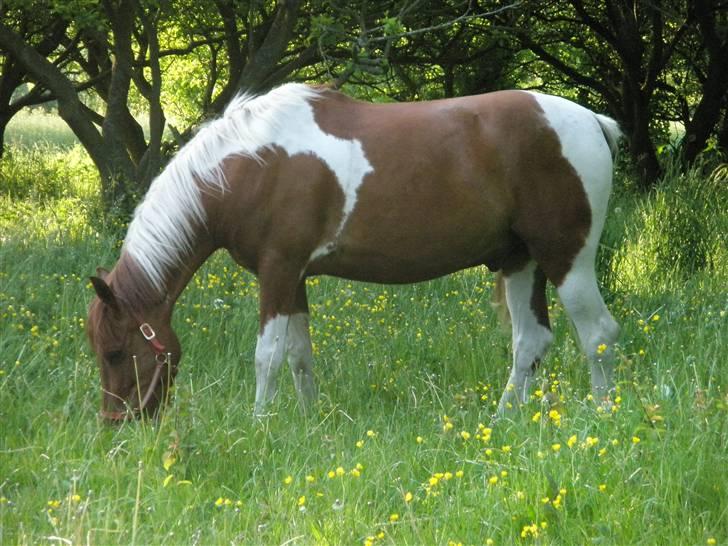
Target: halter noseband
column 161, row 356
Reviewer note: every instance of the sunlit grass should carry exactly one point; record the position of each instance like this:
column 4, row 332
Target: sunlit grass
column 400, row 448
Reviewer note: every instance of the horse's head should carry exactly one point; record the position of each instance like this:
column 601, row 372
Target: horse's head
column 137, row 352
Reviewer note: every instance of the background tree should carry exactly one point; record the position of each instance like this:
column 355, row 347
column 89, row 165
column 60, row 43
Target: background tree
column 645, row 63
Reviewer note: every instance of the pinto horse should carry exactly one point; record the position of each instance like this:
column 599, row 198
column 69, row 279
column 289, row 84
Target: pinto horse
column 305, row 181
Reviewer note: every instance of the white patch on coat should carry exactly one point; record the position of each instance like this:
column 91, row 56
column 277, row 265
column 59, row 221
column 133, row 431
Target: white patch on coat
column 300, row 357
column 164, row 226
column 270, row 351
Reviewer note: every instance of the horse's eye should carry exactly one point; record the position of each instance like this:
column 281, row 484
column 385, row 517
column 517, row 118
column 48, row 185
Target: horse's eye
column 114, row 357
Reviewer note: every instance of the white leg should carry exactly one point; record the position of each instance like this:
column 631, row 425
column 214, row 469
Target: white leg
column 269, row 354
column 531, row 337
column 300, row 358
column 594, row 324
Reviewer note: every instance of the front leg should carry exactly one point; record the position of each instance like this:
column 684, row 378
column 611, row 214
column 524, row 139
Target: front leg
column 283, row 331
column 270, row 351
column 300, row 352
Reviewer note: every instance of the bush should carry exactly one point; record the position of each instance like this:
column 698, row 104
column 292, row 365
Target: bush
column 44, row 172
column 677, row 230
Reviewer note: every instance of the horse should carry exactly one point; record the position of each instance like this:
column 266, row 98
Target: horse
column 305, row 181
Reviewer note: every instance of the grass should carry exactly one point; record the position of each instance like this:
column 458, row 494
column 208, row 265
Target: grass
column 400, row 448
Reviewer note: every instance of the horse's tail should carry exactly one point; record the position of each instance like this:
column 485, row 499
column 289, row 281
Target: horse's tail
column 498, row 300
column 612, row 133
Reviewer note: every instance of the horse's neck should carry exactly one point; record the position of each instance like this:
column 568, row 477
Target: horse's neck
column 141, row 294
column 179, row 277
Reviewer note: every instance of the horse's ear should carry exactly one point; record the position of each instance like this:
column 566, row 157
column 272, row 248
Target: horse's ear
column 102, row 273
column 104, row 292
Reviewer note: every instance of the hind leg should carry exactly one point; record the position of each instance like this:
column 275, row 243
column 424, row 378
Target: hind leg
column 526, row 298
column 595, row 326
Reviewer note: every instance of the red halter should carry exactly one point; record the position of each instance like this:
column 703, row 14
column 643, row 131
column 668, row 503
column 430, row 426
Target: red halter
column 161, row 356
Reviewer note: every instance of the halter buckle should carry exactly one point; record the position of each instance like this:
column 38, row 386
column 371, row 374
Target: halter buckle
column 147, row 331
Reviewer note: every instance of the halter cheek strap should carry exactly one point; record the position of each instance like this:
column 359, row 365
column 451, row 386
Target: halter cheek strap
column 161, row 356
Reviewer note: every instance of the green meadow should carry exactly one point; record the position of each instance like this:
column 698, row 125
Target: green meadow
column 401, row 447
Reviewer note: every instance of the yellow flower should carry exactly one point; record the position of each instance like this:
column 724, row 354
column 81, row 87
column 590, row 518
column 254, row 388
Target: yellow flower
column 555, row 447
column 420, row 439
column 536, row 417
column 310, row 479
column 602, row 487
column 493, row 480
column 465, row 435
column 288, row 480
column 711, row 542
column 371, row 434
column 340, row 471
column 360, row 443
column 459, row 474
column 355, row 472
column 635, row 439
column 506, row 449
column 408, row 497
column 531, row 530
column 601, row 348
column 393, row 518
column 571, row 441
column 301, row 500
column 54, row 504
column 555, row 417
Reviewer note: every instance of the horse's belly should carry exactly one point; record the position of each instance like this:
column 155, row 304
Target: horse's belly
column 390, row 252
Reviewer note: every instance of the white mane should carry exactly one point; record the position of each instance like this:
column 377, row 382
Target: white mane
column 163, row 229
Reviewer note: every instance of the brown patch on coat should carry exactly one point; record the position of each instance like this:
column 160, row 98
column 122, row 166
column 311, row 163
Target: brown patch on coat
column 273, row 217
column 478, row 180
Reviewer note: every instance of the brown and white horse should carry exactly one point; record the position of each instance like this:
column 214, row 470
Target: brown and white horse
column 305, row 181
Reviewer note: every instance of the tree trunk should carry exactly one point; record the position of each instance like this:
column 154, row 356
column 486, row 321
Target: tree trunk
column 708, row 112
column 4, row 120
column 70, row 108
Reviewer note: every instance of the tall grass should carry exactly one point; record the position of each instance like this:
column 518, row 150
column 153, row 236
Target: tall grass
column 401, row 448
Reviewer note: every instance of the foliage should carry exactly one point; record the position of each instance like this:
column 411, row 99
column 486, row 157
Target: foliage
column 679, row 228
column 180, row 62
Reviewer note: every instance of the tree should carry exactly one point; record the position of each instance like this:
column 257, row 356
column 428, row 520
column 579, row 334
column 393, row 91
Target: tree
column 709, row 65
column 45, row 33
column 116, row 52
